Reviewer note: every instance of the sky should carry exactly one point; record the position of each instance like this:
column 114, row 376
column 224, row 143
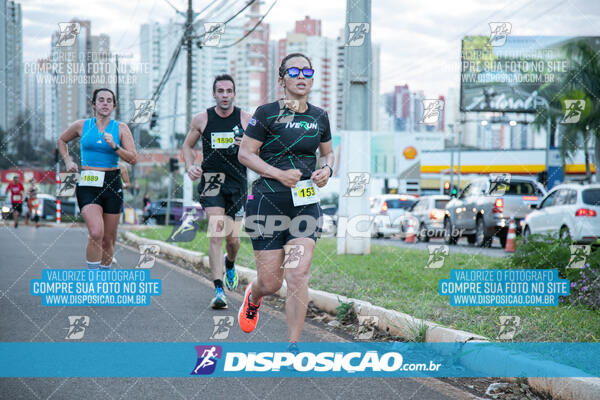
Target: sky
column 420, row 40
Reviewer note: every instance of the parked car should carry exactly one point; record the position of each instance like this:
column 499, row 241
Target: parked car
column 485, row 206
column 329, row 220
column 426, row 217
column 157, row 212
column 568, row 211
column 386, row 210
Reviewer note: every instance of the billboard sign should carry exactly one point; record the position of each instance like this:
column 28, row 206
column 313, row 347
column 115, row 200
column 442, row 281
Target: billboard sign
column 508, row 77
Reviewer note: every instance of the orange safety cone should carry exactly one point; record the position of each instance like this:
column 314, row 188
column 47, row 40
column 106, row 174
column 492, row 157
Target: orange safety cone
column 410, row 234
column 510, row 236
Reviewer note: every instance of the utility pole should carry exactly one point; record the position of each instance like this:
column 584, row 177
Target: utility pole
column 356, row 143
column 187, row 183
column 118, row 116
column 171, row 155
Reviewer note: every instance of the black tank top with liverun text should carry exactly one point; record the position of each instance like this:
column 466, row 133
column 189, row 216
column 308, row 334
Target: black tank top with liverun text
column 217, row 158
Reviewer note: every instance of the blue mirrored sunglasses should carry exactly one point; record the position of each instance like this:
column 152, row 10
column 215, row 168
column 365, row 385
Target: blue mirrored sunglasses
column 294, row 72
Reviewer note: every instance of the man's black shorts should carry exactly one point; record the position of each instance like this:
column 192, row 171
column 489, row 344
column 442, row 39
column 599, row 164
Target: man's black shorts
column 109, row 196
column 230, row 196
column 18, row 207
column 272, row 220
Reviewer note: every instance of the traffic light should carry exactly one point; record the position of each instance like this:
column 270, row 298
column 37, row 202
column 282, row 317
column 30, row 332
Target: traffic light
column 450, row 190
column 153, row 120
column 173, row 164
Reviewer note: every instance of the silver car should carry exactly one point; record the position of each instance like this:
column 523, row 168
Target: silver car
column 426, row 217
column 386, row 212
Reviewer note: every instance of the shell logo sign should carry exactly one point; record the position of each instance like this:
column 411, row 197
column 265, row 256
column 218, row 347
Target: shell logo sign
column 409, row 152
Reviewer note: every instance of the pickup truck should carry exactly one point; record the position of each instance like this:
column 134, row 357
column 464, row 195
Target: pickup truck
column 483, row 209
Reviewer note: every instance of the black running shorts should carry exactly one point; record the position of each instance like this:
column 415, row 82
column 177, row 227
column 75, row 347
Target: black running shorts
column 18, row 207
column 109, row 196
column 231, row 197
column 272, row 220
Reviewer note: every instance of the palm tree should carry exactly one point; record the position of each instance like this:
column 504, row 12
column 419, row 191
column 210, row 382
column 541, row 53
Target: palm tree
column 581, row 83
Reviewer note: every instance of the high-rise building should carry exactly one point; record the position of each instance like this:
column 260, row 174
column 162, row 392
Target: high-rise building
column 340, row 56
column 251, row 61
column 77, row 70
column 322, row 51
column 408, row 111
column 309, row 26
column 11, row 62
column 157, row 44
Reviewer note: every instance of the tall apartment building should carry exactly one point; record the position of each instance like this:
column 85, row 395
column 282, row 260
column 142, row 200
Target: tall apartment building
column 250, row 63
column 11, row 62
column 322, row 51
column 339, row 84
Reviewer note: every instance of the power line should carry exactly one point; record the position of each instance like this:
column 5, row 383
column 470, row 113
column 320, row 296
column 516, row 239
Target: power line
column 252, row 29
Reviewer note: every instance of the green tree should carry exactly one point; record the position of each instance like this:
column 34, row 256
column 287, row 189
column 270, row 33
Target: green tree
column 581, row 83
column 583, row 78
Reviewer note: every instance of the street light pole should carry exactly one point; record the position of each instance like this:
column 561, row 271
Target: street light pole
column 171, row 155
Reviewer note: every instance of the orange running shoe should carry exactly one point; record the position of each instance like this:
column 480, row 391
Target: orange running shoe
column 248, row 314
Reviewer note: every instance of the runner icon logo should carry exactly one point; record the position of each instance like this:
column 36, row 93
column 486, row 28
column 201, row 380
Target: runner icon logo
column 212, row 183
column 357, row 184
column 437, row 255
column 212, row 33
column 68, row 181
column 431, row 111
column 143, row 110
column 357, row 33
column 500, row 183
column 366, row 326
column 573, row 111
column 293, row 255
column 148, row 253
column 579, row 255
column 186, row 232
column 68, row 33
column 207, row 359
column 499, row 33
column 286, row 111
column 509, row 327
column 77, row 325
column 222, row 326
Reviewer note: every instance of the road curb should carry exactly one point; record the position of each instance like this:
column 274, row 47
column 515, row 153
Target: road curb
column 394, row 322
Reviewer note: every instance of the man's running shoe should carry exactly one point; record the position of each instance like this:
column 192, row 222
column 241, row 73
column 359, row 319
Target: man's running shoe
column 293, row 348
column 230, row 277
column 248, row 314
column 220, row 301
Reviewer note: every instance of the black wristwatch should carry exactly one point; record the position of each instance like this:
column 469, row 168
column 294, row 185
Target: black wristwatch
column 117, row 148
column 330, row 170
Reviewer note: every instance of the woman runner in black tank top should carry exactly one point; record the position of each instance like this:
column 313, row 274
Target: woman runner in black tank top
column 280, row 145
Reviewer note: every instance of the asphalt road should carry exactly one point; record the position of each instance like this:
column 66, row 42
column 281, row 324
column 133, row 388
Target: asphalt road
column 180, row 314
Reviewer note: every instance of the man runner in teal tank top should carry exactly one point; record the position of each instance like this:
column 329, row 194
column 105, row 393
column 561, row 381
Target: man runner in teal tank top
column 223, row 183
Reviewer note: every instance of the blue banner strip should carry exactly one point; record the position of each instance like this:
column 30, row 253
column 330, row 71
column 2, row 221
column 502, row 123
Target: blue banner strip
column 364, row 359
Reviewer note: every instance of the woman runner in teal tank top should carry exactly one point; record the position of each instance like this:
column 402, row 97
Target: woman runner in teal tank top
column 103, row 141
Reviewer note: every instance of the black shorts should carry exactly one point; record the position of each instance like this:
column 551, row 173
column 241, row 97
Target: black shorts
column 109, row 196
column 272, row 220
column 230, row 196
column 18, row 207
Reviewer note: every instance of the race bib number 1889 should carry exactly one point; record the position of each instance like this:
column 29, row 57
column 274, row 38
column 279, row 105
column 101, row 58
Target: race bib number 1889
column 91, row 178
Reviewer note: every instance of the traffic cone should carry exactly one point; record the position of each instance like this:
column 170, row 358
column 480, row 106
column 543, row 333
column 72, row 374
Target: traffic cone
column 510, row 237
column 410, row 234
